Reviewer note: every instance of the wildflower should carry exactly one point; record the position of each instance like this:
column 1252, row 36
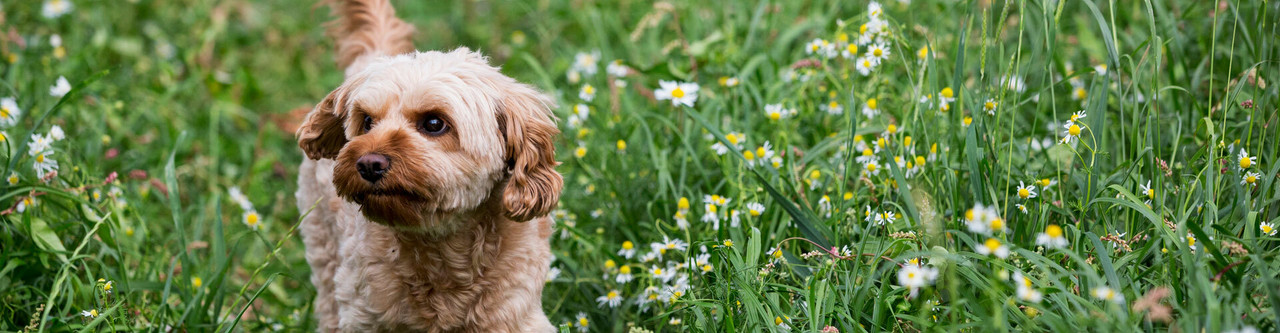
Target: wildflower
column 9, row 111
column 884, row 218
column 1052, row 237
column 624, row 274
column 947, row 95
column 252, row 219
column 966, row 121
column 622, row 145
column 1191, row 241
column 1100, row 69
column 980, row 219
column 923, row 53
column 1022, row 208
column 1267, row 228
column 1243, row 329
column 612, row 299
column 776, row 111
column 1013, row 82
column 1079, row 94
column 669, row 244
column 39, row 144
column 871, row 167
column 13, row 178
column 55, row 8
column 60, row 88
column 1072, row 132
column 91, row 313
column 990, row 106
column 711, row 215
column 1026, row 191
column 728, row 81
column 993, row 247
column 874, row 10
column 914, row 276
column 628, row 250
column 833, row 108
column 1107, row 294
column 1148, row 190
column 583, row 323
column 1077, row 116
column 865, row 65
column 56, row 133
column 108, row 286
column 820, row 47
column 43, row 164
column 617, row 69
column 1246, row 161
column 553, row 273
column 649, row 295
column 870, row 109
column 678, row 92
column 878, row 52
column 197, row 282
column 587, row 93
column 586, row 63
column 755, row 209
column 1025, row 290
column 580, row 151
column 781, row 324
column 582, row 111
column 703, row 262
column 850, row 51
column 664, row 274
column 1250, row 178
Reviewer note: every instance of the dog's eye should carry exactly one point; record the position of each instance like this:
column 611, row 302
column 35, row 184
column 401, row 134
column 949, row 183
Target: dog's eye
column 433, row 125
column 368, row 124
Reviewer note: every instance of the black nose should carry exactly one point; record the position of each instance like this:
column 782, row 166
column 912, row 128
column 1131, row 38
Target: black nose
column 373, row 166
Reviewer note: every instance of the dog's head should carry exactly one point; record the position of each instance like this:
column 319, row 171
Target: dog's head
column 425, row 137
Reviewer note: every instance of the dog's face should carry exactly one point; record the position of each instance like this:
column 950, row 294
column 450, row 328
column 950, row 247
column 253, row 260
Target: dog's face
column 423, row 138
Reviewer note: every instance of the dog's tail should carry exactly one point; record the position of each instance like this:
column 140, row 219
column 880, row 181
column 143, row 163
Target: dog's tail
column 365, row 29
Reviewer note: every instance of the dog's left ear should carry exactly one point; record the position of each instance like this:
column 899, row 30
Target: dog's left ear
column 525, row 120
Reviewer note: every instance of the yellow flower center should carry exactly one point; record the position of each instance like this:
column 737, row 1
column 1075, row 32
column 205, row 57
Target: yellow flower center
column 677, row 92
column 871, row 167
column 833, row 105
column 622, row 145
column 625, row 270
column 683, row 204
column 878, row 52
column 853, row 49
column 1074, row 130
column 750, row 156
column 1248, row 179
column 1075, row 117
column 777, row 321
column 1267, row 229
column 1191, row 240
column 40, row 158
column 706, row 268
column 871, row 103
column 866, row 63
column 612, row 294
column 589, row 90
column 93, row 313
column 894, row 129
column 1081, row 93
column 968, row 214
column 582, row 321
column 732, row 138
column 992, row 244
column 968, row 121
column 911, row 275
column 989, row 105
column 728, row 243
column 946, row 92
column 774, row 115
column 1151, row 193
column 924, row 52
column 657, row 271
column 627, row 245
column 1024, row 193
column 920, row 160
column 1053, row 230
column 754, row 212
column 777, row 253
column 1045, row 182
column 997, row 224
column 862, row 29
column 848, row 195
column 252, row 219
column 610, row 264
column 1245, row 162
column 4, row 112
column 580, row 152
column 815, row 174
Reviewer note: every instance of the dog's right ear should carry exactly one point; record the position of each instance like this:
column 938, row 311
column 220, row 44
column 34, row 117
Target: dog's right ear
column 322, row 135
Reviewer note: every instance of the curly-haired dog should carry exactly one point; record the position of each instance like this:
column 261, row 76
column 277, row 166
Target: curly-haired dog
column 431, row 175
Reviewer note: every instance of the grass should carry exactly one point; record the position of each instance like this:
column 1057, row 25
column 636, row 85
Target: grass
column 176, row 102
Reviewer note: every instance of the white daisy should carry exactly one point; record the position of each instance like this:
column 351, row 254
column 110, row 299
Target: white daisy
column 586, row 63
column 617, row 69
column 916, row 276
column 685, row 93
column 992, row 247
column 9, row 111
column 1026, row 191
column 1052, row 237
column 55, row 8
column 1107, row 294
column 612, row 299
column 60, row 88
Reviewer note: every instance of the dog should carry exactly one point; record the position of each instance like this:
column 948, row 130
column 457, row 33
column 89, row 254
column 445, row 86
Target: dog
column 426, row 187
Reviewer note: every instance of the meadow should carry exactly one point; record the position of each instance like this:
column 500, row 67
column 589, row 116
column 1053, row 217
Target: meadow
column 730, row 166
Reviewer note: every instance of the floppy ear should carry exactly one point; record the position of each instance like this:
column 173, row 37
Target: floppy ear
column 322, row 134
column 525, row 120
